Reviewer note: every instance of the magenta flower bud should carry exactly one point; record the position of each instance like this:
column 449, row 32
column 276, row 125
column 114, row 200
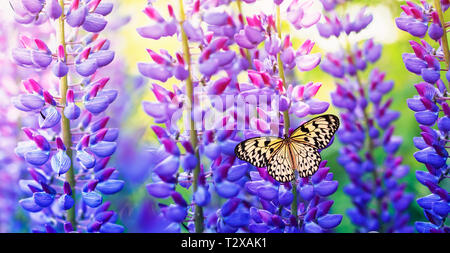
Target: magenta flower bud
column 35, row 86
column 105, row 174
column 311, row 90
column 28, row 132
column 104, row 217
column 99, row 124
column 98, row 136
column 324, row 207
column 178, row 199
column 49, row 98
column 84, row 142
column 59, row 144
column 170, row 146
column 219, row 86
column 153, row 14
column 158, row 58
column 67, row 188
column 425, row 90
column 41, row 46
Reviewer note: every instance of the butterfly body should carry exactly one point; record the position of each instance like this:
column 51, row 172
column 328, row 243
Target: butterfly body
column 299, row 151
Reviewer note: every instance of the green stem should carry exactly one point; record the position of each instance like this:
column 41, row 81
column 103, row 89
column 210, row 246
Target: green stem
column 287, row 122
column 198, row 212
column 444, row 40
column 65, row 123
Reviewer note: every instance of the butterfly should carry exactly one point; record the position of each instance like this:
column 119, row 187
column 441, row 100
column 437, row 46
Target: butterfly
column 299, row 151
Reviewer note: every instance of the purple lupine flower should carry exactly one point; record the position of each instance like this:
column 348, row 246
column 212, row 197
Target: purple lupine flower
column 431, row 99
column 11, row 166
column 303, row 14
column 313, row 209
column 69, row 148
column 365, row 129
column 335, row 25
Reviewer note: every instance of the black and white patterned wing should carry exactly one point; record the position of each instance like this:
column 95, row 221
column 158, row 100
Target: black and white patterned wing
column 281, row 165
column 257, row 151
column 306, row 159
column 317, row 132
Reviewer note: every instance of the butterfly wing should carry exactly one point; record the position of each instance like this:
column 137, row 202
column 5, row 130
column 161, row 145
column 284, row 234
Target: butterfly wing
column 317, row 132
column 306, row 158
column 281, row 165
column 257, row 151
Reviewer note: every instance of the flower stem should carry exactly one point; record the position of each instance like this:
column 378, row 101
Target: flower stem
column 444, row 40
column 65, row 123
column 198, row 213
column 286, row 119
